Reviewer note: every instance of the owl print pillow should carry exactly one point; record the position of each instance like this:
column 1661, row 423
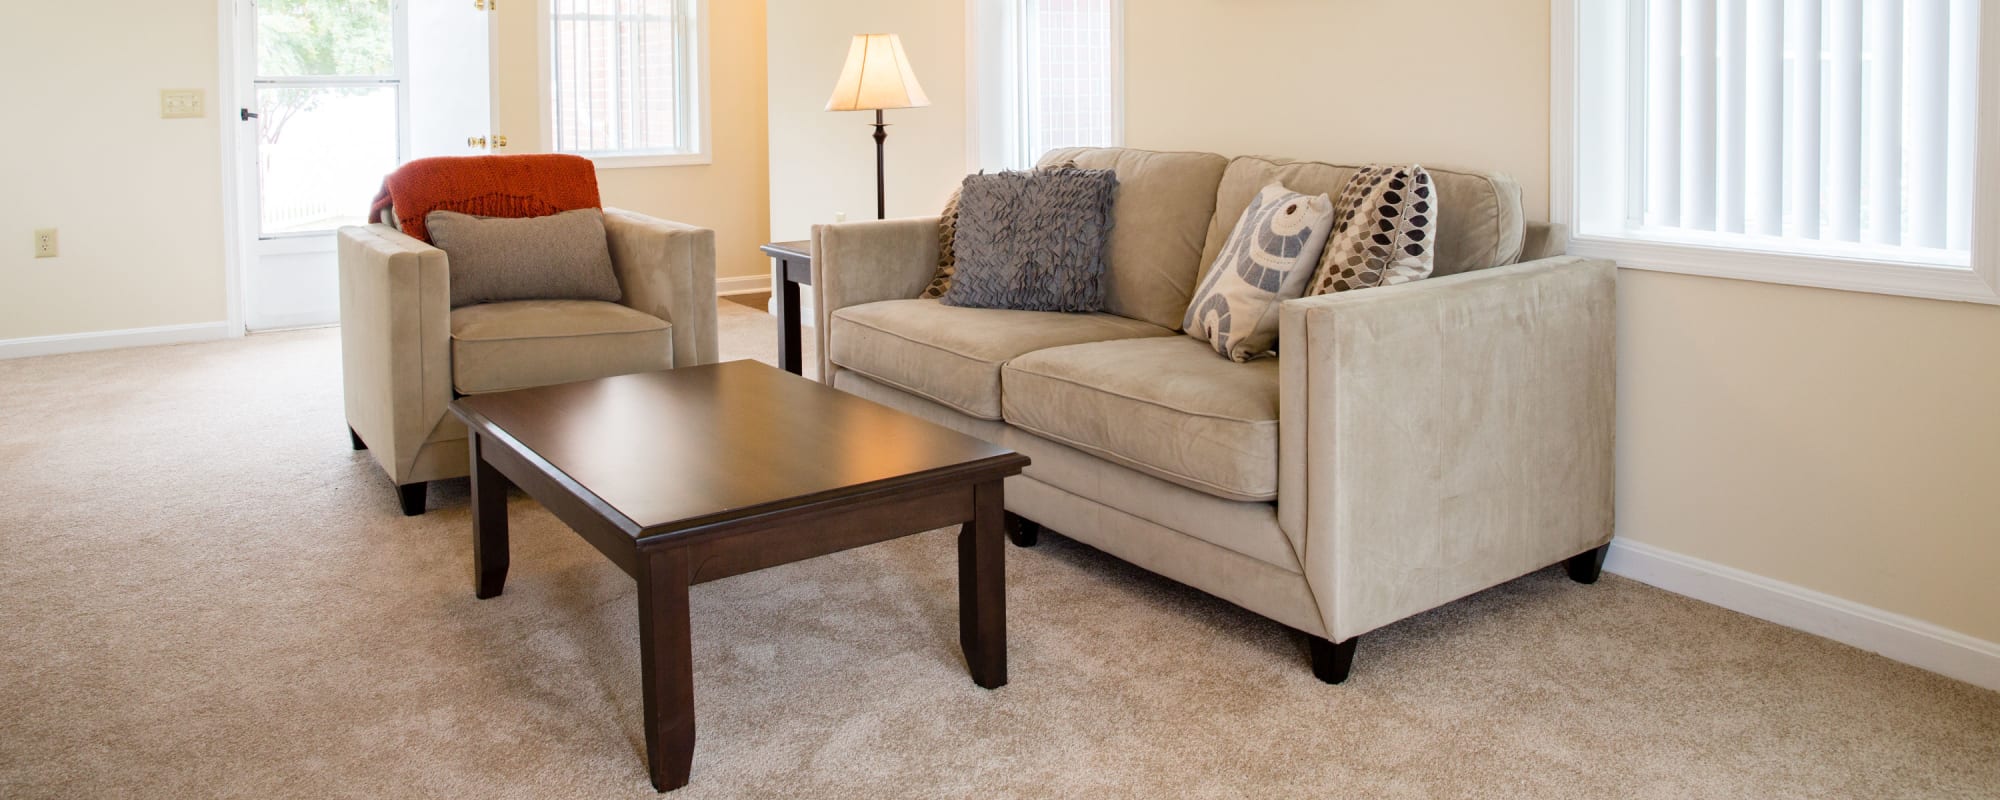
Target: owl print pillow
column 1268, row 259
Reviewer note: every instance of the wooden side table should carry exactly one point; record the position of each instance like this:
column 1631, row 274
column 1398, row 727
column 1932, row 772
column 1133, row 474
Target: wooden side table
column 793, row 267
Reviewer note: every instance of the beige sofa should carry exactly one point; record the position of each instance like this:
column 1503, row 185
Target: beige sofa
column 1411, row 444
column 406, row 353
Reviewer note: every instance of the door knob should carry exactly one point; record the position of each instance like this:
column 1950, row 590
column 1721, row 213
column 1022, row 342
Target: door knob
column 475, row 142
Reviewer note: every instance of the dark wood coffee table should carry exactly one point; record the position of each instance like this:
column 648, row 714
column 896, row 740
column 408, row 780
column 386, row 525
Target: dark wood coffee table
column 701, row 473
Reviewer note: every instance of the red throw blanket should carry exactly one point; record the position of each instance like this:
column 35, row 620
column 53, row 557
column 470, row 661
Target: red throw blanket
column 489, row 186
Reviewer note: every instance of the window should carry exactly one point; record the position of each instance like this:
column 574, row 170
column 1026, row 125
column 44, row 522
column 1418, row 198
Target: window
column 1047, row 75
column 1824, row 142
column 326, row 87
column 627, row 81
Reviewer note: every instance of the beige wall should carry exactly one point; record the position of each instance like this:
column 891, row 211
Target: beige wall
column 138, row 199
column 824, row 162
column 1462, row 83
column 727, row 195
column 1844, row 442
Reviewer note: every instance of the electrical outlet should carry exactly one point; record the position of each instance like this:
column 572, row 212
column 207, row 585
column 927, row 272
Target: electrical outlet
column 45, row 243
column 181, row 104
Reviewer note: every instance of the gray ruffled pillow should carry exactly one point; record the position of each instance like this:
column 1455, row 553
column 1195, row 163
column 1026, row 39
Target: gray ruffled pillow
column 1032, row 241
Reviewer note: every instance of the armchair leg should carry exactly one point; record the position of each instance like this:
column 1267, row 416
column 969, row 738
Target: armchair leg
column 1022, row 531
column 355, row 438
column 411, row 495
column 1331, row 661
column 1584, row 567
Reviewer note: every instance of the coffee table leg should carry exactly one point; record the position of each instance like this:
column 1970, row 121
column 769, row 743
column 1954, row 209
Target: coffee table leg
column 982, row 588
column 666, row 666
column 489, row 523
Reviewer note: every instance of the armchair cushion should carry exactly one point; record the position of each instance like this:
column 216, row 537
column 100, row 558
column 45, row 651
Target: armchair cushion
column 953, row 355
column 496, row 347
column 1164, row 406
column 557, row 257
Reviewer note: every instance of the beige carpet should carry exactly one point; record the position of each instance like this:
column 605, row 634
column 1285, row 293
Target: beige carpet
column 204, row 593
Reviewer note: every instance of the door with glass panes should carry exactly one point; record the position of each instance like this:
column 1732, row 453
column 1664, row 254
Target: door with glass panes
column 334, row 95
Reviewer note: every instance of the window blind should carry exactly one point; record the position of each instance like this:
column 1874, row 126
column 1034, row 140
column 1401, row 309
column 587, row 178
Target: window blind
column 1838, row 121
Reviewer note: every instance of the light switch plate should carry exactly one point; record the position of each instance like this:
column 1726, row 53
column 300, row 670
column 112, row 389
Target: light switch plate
column 182, row 104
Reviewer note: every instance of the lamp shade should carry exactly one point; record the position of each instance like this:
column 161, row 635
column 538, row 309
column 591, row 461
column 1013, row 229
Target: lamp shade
column 877, row 76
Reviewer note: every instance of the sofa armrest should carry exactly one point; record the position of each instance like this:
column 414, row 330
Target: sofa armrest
column 395, row 341
column 863, row 262
column 1440, row 437
column 667, row 269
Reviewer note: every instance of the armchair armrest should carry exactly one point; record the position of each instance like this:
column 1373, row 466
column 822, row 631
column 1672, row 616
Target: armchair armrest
column 863, row 262
column 667, row 269
column 395, row 341
column 1440, row 437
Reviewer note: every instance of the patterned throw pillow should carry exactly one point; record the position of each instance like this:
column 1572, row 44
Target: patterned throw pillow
column 1033, row 241
column 1268, row 259
column 947, row 236
column 1384, row 223
column 947, row 264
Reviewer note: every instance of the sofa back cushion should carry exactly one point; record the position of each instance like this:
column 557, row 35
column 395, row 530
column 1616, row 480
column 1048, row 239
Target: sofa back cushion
column 1480, row 224
column 1160, row 223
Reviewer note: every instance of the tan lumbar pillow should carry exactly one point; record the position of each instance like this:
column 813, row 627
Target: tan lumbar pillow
column 556, row 257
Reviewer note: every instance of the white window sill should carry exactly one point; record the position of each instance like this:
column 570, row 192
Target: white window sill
column 618, row 161
column 1964, row 284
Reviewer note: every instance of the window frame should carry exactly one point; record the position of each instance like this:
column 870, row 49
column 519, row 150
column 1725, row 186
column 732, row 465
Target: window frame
column 1978, row 283
column 997, row 136
column 696, row 38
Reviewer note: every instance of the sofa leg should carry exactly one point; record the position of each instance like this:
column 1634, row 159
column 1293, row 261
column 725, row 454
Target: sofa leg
column 1331, row 662
column 411, row 495
column 355, row 438
column 1022, row 531
column 1584, row 567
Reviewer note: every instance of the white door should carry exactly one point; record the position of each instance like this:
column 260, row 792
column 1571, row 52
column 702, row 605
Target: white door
column 335, row 94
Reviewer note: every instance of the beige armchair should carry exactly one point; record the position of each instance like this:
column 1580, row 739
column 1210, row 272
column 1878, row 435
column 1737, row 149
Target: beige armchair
column 406, row 353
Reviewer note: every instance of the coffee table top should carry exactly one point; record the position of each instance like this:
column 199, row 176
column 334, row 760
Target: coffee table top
column 697, row 446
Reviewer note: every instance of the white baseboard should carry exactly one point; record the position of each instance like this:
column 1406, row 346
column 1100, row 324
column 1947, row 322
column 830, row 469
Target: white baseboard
column 1911, row 641
column 31, row 346
column 742, row 284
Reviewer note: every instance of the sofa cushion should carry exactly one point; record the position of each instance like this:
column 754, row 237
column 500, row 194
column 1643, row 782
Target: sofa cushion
column 1481, row 223
column 1160, row 218
column 500, row 346
column 953, row 355
column 1164, row 406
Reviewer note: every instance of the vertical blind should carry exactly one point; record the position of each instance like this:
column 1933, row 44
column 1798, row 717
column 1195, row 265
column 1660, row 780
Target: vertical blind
column 1843, row 121
column 1069, row 74
column 618, row 83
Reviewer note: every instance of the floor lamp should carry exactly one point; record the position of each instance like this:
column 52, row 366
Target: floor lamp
column 877, row 76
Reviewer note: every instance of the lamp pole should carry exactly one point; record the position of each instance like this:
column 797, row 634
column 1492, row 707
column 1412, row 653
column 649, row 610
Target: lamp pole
column 881, row 182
